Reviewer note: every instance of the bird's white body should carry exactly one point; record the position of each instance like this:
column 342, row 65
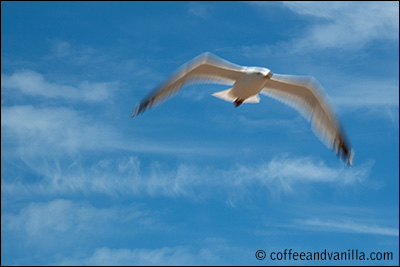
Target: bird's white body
column 247, row 87
column 303, row 94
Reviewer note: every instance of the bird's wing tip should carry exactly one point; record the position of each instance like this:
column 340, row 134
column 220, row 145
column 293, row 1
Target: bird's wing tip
column 350, row 158
column 135, row 111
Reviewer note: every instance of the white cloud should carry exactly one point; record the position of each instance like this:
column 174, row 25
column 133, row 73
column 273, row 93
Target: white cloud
column 210, row 251
column 126, row 176
column 77, row 233
column 42, row 131
column 199, row 9
column 65, row 232
column 52, row 131
column 62, row 215
column 287, row 175
column 367, row 93
column 346, row 25
column 115, row 64
column 43, row 224
column 162, row 256
column 34, row 84
column 62, row 49
column 347, row 226
column 78, row 55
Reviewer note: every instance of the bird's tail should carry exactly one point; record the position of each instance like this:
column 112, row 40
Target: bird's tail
column 228, row 96
column 225, row 95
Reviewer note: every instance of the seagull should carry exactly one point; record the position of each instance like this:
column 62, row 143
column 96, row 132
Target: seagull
column 301, row 93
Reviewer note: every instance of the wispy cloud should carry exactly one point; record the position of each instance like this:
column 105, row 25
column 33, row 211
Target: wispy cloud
column 209, row 251
column 128, row 176
column 123, row 62
column 61, row 49
column 56, row 130
column 44, row 223
column 346, row 25
column 285, row 174
column 78, row 55
column 342, row 218
column 199, row 9
column 86, row 231
column 347, row 226
column 51, row 131
column 162, row 256
column 367, row 93
column 94, row 234
column 34, row 84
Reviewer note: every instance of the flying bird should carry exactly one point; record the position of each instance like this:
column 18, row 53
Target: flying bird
column 301, row 93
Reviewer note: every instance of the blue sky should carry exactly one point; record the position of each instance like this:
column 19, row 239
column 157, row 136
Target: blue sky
column 193, row 181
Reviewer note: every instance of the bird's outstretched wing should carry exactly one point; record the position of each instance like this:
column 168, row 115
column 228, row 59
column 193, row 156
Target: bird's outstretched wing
column 206, row 68
column 305, row 95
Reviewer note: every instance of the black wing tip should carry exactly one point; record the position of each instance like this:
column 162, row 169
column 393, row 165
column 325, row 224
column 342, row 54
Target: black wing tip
column 350, row 157
column 347, row 155
column 343, row 150
column 136, row 111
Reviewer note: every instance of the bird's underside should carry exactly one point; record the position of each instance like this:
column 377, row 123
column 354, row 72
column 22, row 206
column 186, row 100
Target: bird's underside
column 301, row 93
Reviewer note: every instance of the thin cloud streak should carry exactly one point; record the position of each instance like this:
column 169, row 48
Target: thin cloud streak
column 208, row 251
column 42, row 224
column 62, row 215
column 162, row 256
column 60, row 130
column 347, row 226
column 369, row 93
column 32, row 83
column 128, row 176
column 117, row 63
